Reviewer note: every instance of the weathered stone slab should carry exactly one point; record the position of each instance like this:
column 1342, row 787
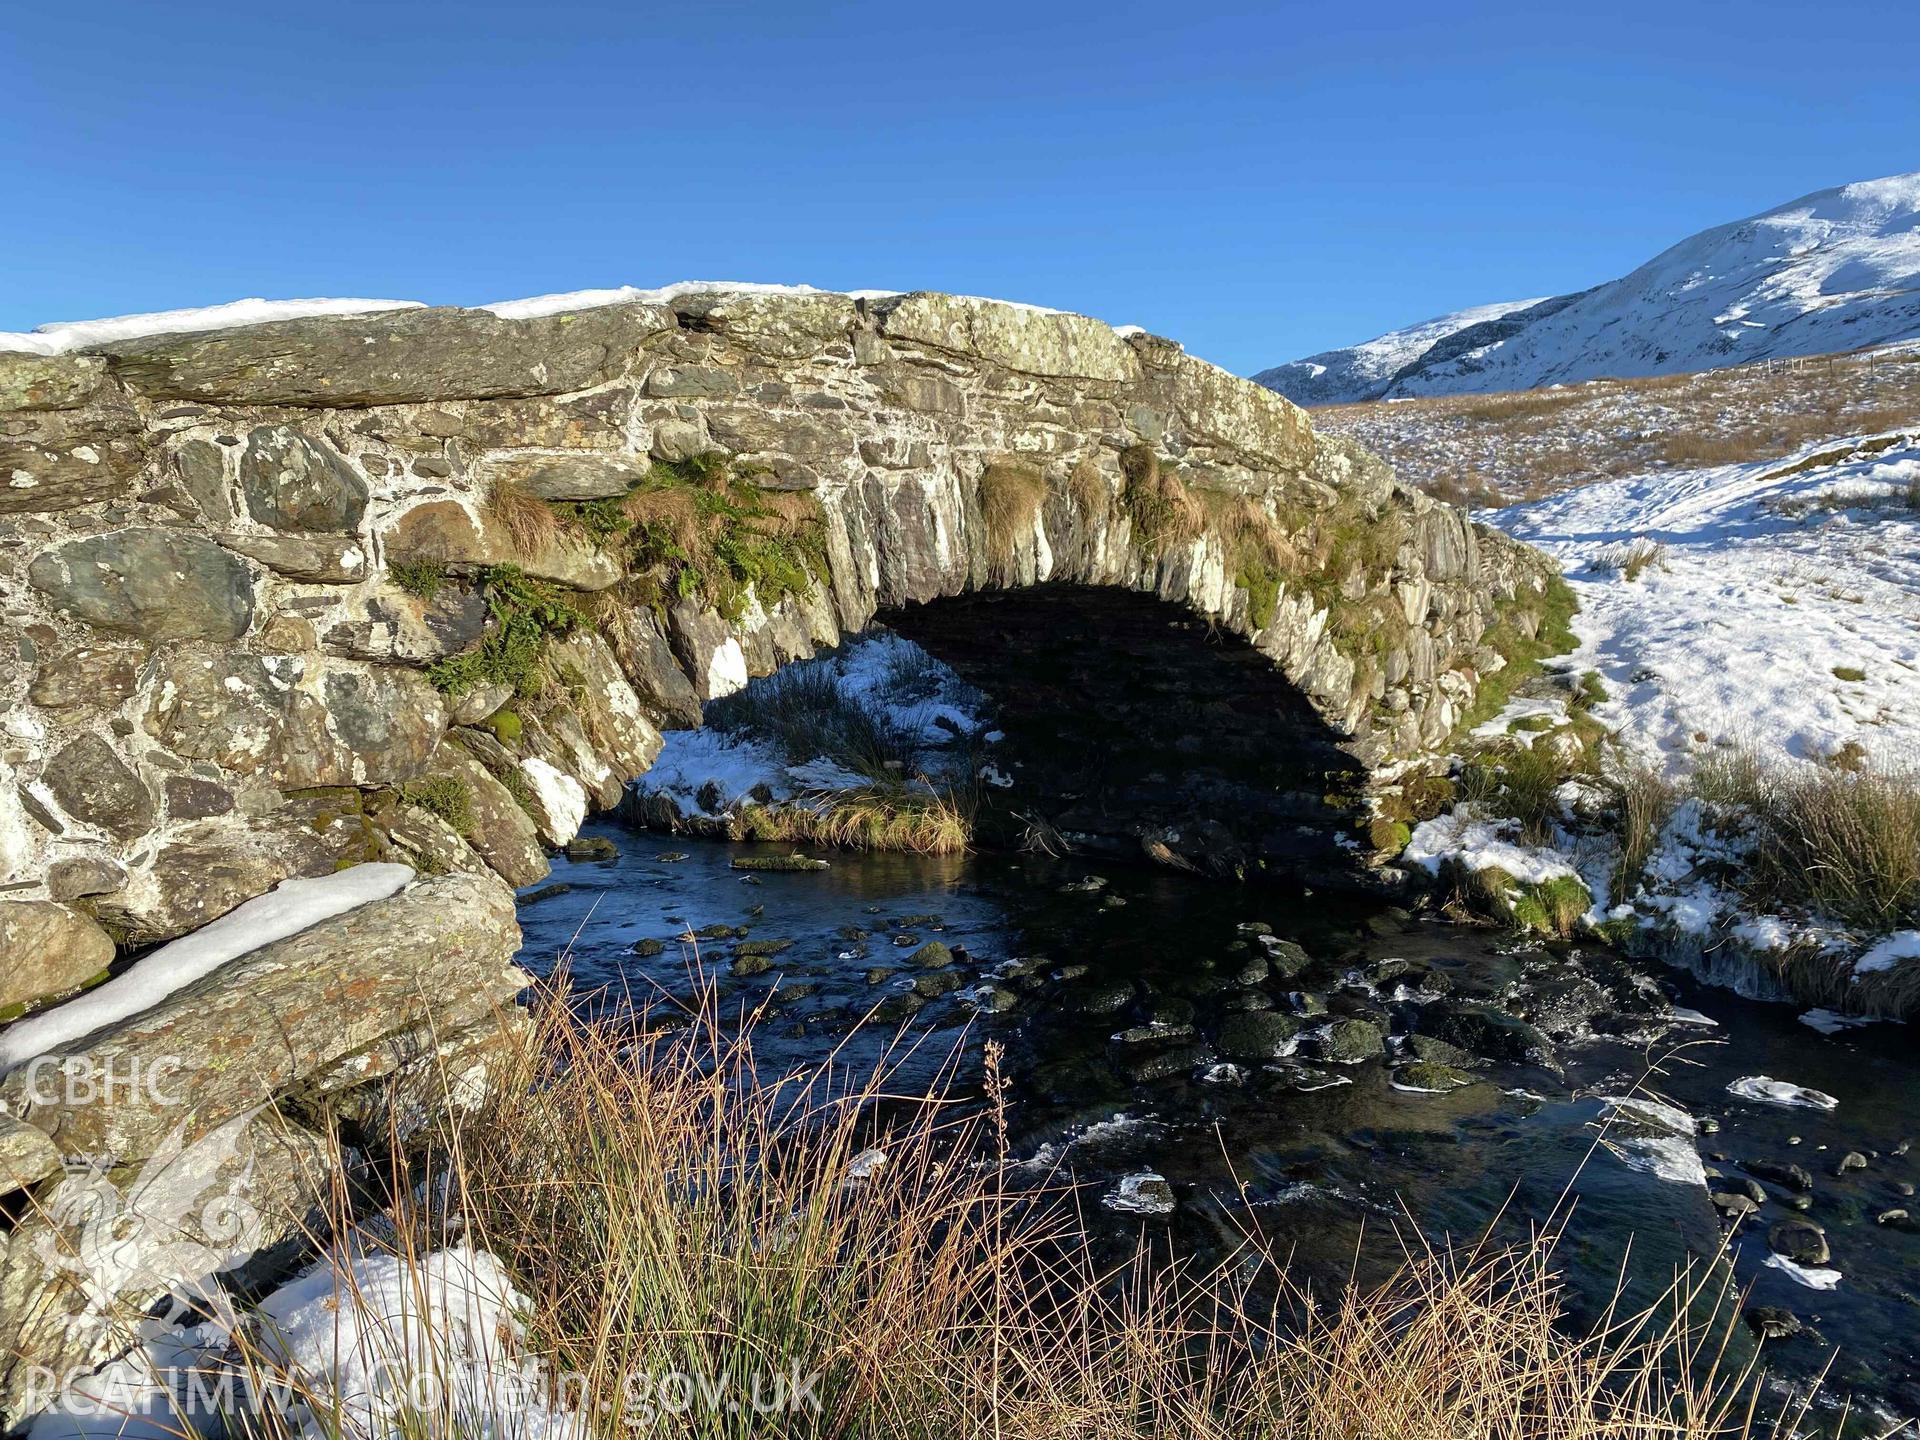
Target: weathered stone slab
column 501, row 832
column 398, row 356
column 96, row 787
column 1023, row 338
column 86, row 680
column 48, row 382
column 582, row 476
column 338, row 561
column 294, row 483
column 67, row 462
column 447, row 532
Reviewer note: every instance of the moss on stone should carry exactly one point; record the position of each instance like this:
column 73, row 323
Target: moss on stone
column 525, row 612
column 445, row 796
column 1390, row 837
column 506, row 725
column 1551, row 907
column 520, row 788
column 421, row 578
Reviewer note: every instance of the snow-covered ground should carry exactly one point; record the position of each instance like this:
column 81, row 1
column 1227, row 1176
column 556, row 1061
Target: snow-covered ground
column 708, row 773
column 1778, row 606
column 1835, row 270
column 1771, row 606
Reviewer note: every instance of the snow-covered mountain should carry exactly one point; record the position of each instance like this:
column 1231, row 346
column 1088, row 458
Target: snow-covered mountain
column 1835, row 270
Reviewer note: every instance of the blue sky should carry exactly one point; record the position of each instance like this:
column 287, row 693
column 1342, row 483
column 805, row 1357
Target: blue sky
column 1258, row 180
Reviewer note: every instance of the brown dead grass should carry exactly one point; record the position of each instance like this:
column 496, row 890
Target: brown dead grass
column 529, row 522
column 1164, row 511
column 1011, row 493
column 1089, row 490
column 1487, row 450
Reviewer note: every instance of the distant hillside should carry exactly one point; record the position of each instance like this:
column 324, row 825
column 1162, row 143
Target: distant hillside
column 1835, row 270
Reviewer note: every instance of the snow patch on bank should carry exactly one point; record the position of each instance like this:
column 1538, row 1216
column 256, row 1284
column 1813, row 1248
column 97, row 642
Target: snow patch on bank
column 708, row 773
column 1901, row 945
column 1784, row 613
column 1475, row 844
column 347, row 1349
column 290, row 907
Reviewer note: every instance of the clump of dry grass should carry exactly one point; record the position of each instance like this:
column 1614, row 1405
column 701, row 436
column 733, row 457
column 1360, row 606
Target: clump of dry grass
column 1011, row 493
column 1258, row 551
column 1846, row 842
column 1523, row 782
column 530, row 523
column 1088, row 487
column 1644, row 800
column 1630, row 559
column 670, row 1210
column 699, row 528
column 896, row 815
column 1163, row 509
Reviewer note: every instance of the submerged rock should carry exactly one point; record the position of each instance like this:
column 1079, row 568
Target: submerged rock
column 1801, row 1241
column 1772, row 1322
column 1258, row 1036
column 1429, row 1077
column 778, row 863
column 1348, row 1042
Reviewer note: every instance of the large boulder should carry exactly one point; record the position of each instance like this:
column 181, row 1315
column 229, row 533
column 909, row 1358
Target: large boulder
column 437, row 955
column 156, row 584
column 47, row 949
column 104, row 1246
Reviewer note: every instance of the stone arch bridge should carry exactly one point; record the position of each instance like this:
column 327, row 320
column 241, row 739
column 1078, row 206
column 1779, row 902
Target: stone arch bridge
column 239, row 567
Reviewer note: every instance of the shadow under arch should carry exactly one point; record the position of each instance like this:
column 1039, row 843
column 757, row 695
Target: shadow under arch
column 1136, row 729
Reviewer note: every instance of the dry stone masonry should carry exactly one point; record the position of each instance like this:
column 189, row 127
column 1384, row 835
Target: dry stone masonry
column 212, row 681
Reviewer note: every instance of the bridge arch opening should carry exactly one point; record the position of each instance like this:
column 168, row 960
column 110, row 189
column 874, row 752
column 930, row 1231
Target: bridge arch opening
column 1099, row 721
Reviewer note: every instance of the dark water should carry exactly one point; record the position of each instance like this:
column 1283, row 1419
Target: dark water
column 1110, row 1001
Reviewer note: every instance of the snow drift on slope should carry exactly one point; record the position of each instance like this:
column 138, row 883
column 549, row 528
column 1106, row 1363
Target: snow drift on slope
column 1835, row 270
